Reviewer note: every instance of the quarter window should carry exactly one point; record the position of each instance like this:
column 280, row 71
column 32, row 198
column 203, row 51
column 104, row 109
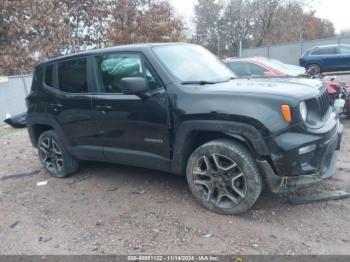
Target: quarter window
column 112, row 68
column 325, row 51
column 239, row 68
column 72, row 76
column 153, row 83
column 48, row 75
column 256, row 70
column 344, row 50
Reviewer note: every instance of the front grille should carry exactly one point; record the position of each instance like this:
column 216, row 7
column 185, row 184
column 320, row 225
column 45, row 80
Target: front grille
column 324, row 103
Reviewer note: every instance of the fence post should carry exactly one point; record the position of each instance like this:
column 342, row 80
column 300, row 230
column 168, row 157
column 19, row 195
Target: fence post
column 240, row 48
column 24, row 85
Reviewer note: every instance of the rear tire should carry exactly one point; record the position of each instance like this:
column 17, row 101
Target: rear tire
column 54, row 156
column 223, row 177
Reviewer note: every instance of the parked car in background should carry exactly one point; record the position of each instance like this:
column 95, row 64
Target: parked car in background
column 267, row 67
column 326, row 58
column 262, row 66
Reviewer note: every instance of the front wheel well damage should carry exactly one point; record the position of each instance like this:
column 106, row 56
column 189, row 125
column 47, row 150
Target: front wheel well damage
column 197, row 138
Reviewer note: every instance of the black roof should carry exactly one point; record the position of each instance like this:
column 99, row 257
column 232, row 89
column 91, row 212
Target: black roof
column 126, row 48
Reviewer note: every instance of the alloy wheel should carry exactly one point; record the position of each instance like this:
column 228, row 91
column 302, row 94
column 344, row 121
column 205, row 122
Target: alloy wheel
column 51, row 155
column 219, row 180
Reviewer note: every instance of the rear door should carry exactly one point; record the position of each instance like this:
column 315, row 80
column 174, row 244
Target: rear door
column 71, row 106
column 328, row 57
column 130, row 128
column 344, row 56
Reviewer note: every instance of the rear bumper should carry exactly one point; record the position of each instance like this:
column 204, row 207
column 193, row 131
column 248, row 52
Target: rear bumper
column 297, row 167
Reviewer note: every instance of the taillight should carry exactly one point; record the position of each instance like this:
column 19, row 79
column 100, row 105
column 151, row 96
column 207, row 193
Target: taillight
column 332, row 88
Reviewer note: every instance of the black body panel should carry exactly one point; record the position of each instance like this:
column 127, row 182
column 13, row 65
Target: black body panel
column 155, row 129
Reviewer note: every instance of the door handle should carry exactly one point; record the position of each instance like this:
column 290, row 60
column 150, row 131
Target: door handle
column 104, row 108
column 55, row 106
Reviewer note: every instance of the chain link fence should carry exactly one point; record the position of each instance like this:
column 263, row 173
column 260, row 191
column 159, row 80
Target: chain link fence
column 290, row 52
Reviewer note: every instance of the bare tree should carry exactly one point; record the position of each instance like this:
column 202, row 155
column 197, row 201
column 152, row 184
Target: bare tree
column 263, row 17
column 135, row 21
column 207, row 17
column 235, row 25
column 31, row 31
column 256, row 23
column 345, row 32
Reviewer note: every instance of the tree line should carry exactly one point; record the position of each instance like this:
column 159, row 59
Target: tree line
column 32, row 31
column 223, row 26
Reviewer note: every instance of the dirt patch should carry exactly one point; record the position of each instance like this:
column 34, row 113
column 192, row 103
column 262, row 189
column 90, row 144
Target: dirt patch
column 109, row 209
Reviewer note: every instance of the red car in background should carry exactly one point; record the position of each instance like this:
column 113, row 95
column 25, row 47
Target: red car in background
column 267, row 67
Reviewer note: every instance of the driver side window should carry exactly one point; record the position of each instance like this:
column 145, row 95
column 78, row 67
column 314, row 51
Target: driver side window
column 111, row 68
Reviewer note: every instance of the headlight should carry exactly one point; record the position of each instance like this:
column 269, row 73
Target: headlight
column 303, row 110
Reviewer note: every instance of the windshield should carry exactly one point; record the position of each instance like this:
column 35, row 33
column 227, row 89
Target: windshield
column 287, row 69
column 192, row 63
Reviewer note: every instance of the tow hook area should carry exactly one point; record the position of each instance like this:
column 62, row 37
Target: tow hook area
column 285, row 185
column 288, row 187
column 299, row 199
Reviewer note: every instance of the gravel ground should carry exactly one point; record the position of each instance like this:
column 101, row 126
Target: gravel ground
column 114, row 209
column 342, row 77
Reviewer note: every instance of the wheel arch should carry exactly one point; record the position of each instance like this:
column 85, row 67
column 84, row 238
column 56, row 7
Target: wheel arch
column 316, row 62
column 38, row 129
column 192, row 134
column 36, row 125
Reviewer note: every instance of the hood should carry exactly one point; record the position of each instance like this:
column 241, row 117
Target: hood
column 296, row 70
column 300, row 88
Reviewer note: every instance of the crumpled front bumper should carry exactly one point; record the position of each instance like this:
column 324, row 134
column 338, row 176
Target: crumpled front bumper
column 305, row 170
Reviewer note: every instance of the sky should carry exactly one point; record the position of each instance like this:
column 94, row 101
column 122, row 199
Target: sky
column 337, row 11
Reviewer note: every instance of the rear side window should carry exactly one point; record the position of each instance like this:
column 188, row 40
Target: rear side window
column 37, row 78
column 256, row 70
column 72, row 76
column 325, row 51
column 344, row 50
column 48, row 75
column 111, row 68
column 239, row 68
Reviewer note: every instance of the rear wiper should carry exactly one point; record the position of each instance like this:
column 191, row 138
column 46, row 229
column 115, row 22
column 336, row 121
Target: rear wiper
column 200, row 82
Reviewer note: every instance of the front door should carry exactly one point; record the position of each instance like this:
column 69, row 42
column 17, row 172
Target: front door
column 131, row 129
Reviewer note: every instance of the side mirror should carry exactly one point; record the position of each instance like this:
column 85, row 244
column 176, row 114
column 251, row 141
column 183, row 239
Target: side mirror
column 134, row 86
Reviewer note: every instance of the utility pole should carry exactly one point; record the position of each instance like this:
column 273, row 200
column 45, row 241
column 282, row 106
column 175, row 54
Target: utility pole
column 218, row 43
column 240, row 48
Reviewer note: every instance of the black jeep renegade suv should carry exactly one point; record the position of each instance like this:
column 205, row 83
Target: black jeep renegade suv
column 177, row 108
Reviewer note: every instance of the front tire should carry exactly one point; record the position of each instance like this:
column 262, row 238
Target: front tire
column 54, row 156
column 223, row 177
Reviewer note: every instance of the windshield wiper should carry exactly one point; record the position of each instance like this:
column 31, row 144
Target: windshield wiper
column 200, row 82
column 205, row 82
